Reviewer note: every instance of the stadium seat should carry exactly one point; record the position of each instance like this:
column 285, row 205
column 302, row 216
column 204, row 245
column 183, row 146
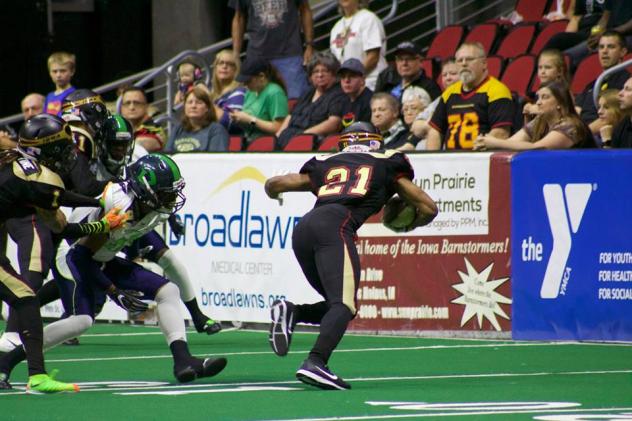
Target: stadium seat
column 495, row 66
column 588, row 70
column 300, row 143
column 485, row 33
column 235, row 143
column 330, row 143
column 517, row 41
column 446, row 42
column 427, row 65
column 518, row 73
column 290, row 104
column 262, row 144
column 532, row 10
column 545, row 35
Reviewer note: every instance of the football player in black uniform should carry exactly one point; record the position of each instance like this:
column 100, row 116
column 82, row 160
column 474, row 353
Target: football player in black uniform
column 30, row 183
column 85, row 112
column 350, row 186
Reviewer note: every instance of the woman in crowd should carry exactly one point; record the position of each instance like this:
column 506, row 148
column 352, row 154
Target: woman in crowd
column 609, row 116
column 360, row 34
column 319, row 111
column 556, row 126
column 226, row 93
column 551, row 68
column 265, row 104
column 199, row 130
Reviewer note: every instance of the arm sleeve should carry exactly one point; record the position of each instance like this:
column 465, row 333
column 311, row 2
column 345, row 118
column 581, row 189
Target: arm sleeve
column 218, row 138
column 83, row 180
column 501, row 113
column 75, row 200
column 371, row 33
column 439, row 118
column 278, row 105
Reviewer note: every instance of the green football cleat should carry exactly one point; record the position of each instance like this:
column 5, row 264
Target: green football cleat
column 45, row 383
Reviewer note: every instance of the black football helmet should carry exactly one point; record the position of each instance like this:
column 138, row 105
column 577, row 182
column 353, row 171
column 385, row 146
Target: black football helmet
column 87, row 106
column 361, row 133
column 156, row 181
column 48, row 139
column 117, row 143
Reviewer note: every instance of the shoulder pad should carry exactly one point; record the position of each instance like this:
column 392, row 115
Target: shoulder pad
column 29, row 170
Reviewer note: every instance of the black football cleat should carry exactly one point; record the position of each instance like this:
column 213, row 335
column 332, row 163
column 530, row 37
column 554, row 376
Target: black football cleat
column 4, row 382
column 318, row 375
column 209, row 326
column 207, row 368
column 72, row 342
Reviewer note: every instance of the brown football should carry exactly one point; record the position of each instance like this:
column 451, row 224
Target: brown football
column 398, row 214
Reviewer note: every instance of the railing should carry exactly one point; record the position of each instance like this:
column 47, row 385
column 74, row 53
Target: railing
column 599, row 81
column 142, row 79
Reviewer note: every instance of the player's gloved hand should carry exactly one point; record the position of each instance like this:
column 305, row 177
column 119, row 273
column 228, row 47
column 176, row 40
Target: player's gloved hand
column 177, row 227
column 127, row 299
column 114, row 219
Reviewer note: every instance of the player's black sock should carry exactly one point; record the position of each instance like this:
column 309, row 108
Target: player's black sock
column 332, row 327
column 196, row 314
column 310, row 313
column 181, row 355
column 31, row 334
column 35, row 280
column 48, row 293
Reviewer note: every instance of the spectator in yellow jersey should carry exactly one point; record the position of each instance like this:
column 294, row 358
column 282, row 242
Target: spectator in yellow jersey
column 477, row 104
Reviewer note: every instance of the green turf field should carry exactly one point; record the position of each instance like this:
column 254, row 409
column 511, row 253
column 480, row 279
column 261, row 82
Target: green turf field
column 125, row 374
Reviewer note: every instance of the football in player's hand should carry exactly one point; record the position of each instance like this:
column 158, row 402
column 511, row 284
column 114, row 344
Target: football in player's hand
column 398, row 215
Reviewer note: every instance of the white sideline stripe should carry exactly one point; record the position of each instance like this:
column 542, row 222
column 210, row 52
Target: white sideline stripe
column 96, row 335
column 459, row 414
column 230, row 386
column 381, row 349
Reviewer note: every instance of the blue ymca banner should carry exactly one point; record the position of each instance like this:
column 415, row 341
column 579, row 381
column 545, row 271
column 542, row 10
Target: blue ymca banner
column 572, row 245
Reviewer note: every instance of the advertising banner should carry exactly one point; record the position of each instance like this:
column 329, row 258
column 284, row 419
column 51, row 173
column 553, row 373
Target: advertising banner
column 572, row 245
column 452, row 274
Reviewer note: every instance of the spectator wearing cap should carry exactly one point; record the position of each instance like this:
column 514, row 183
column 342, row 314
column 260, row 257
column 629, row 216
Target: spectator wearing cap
column 359, row 34
column 385, row 117
column 319, row 110
column 408, row 72
column 265, row 104
column 353, row 84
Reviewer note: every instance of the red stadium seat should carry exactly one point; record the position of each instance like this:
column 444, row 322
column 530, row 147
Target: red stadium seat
column 428, row 66
column 518, row 73
column 517, row 41
column 545, row 35
column 446, row 42
column 495, row 66
column 330, row 143
column 532, row 10
column 485, row 33
column 588, row 70
column 290, row 104
column 235, row 143
column 262, row 144
column 300, row 143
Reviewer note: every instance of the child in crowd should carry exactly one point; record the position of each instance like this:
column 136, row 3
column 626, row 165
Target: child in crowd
column 188, row 74
column 61, row 68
